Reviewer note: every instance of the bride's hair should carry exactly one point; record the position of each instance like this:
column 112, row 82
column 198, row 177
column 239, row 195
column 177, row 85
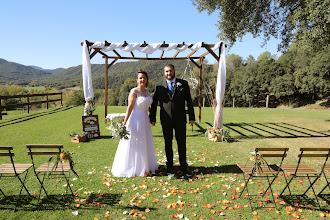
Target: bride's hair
column 144, row 73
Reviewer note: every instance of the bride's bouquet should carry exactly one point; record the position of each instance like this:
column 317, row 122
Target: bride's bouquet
column 118, row 130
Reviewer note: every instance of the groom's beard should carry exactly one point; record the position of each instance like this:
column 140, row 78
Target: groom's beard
column 170, row 78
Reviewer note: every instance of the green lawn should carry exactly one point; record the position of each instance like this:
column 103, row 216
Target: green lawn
column 210, row 192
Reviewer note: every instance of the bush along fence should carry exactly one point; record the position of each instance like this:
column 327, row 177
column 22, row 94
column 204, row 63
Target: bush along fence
column 28, row 103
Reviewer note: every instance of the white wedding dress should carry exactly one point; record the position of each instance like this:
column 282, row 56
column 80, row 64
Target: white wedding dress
column 136, row 156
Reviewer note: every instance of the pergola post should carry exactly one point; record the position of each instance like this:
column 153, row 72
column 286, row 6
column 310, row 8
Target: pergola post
column 106, row 88
column 200, row 89
column 107, row 66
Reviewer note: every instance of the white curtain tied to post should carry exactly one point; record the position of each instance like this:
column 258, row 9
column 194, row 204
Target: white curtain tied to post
column 220, row 90
column 87, row 73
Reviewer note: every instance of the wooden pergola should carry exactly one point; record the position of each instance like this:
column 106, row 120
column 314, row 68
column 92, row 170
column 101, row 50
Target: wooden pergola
column 115, row 56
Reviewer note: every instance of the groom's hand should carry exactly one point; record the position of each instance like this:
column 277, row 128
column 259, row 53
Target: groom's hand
column 191, row 122
column 153, row 123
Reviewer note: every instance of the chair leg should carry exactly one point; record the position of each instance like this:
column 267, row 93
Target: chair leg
column 23, row 184
column 311, row 184
column 41, row 185
column 247, row 190
column 270, row 183
column 328, row 183
column 246, row 181
column 313, row 190
column 3, row 193
column 1, row 189
column 67, row 183
column 286, row 181
column 287, row 185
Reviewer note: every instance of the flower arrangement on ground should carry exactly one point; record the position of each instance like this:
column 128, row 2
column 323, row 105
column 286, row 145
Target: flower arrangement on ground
column 218, row 135
column 76, row 138
column 77, row 135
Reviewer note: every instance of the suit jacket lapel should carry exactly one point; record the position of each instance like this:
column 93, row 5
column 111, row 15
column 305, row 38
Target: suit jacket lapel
column 165, row 85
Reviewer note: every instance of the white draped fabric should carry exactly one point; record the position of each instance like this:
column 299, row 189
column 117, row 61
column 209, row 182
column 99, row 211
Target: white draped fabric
column 149, row 49
column 87, row 73
column 220, row 90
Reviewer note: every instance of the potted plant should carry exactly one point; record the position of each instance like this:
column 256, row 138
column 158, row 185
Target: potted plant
column 77, row 138
column 218, row 135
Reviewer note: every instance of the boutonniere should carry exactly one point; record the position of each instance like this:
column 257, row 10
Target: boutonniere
column 177, row 84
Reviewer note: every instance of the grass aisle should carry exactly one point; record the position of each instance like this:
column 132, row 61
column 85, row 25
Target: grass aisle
column 210, row 193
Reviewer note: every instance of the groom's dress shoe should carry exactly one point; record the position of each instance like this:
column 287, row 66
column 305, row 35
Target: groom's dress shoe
column 184, row 170
column 169, row 169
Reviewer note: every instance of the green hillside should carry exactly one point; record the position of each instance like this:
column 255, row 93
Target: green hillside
column 14, row 73
column 117, row 74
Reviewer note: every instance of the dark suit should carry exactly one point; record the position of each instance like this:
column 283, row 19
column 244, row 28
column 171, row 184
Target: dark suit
column 173, row 116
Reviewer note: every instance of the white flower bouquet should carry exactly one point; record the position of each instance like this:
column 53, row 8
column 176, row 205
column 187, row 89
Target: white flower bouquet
column 118, row 130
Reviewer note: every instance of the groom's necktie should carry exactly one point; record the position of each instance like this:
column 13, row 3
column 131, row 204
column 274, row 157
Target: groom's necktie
column 171, row 88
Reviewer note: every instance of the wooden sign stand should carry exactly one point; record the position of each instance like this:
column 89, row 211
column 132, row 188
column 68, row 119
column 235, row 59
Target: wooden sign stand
column 90, row 126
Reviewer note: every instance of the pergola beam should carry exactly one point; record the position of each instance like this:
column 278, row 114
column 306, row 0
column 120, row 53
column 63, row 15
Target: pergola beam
column 189, row 55
column 176, row 54
column 94, row 53
column 145, row 44
column 196, row 64
column 152, row 58
column 211, row 51
column 116, row 53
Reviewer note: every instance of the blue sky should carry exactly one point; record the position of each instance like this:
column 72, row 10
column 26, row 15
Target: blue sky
column 47, row 33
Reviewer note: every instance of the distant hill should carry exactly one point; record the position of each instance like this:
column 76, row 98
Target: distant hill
column 117, row 73
column 57, row 70
column 14, row 73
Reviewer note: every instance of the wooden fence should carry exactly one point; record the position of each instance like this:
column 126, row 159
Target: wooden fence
column 28, row 103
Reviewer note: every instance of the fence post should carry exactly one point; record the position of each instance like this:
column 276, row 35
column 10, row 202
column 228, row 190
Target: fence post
column 0, row 110
column 46, row 101
column 61, row 99
column 28, row 106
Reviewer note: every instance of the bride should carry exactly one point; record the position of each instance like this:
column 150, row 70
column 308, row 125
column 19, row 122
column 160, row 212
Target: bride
column 136, row 156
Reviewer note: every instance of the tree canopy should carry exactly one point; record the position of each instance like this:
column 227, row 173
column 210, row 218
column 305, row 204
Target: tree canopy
column 305, row 21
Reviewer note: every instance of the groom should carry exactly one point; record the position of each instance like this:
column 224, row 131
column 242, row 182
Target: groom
column 172, row 95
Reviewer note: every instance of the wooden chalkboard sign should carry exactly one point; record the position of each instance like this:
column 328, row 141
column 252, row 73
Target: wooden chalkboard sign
column 91, row 126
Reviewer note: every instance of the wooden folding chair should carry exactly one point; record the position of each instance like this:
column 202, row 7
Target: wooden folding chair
column 13, row 170
column 49, row 169
column 326, row 169
column 270, row 172
column 304, row 171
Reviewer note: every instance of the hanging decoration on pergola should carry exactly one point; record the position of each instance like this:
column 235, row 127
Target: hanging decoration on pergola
column 90, row 49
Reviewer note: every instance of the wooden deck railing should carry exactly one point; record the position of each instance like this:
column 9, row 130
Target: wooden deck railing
column 28, row 103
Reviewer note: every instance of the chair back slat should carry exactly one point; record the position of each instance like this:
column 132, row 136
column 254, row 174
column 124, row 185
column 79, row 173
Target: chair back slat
column 55, row 146
column 274, row 155
column 44, row 153
column 6, row 148
column 313, row 155
column 272, row 149
column 6, row 154
column 314, row 149
column 277, row 149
